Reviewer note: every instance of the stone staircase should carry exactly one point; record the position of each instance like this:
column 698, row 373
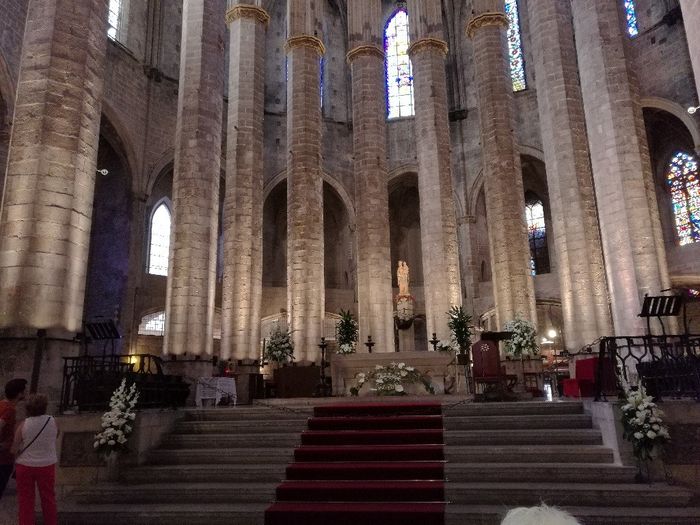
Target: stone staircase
column 503, row 455
column 223, row 465
column 217, row 466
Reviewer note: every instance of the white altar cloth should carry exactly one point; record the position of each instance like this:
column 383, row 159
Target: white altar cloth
column 215, row 388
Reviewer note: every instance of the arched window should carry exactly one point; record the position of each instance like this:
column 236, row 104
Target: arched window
column 114, row 19
column 399, row 71
column 515, row 47
column 631, row 18
column 152, row 324
column 682, row 178
column 537, row 235
column 159, row 242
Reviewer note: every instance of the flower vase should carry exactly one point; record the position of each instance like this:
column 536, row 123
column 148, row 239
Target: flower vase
column 112, row 466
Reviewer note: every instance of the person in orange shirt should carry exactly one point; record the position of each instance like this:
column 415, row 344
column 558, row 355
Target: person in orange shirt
column 14, row 393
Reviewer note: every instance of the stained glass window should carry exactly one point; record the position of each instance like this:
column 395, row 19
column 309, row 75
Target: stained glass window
column 515, row 47
column 631, row 16
column 114, row 18
column 682, row 178
column 537, row 235
column 322, row 76
column 159, row 243
column 399, row 71
column 152, row 324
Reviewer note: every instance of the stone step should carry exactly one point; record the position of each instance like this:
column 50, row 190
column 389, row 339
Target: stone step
column 493, row 514
column 218, row 456
column 517, row 408
column 453, row 422
column 259, row 473
column 529, row 454
column 540, row 472
column 280, row 440
column 560, row 494
column 269, row 426
column 524, row 437
column 162, row 514
column 247, row 413
column 176, row 493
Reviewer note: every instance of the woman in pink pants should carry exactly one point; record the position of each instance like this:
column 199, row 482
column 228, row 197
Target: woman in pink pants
column 35, row 445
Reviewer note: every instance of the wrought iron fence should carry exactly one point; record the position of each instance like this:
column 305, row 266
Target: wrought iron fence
column 667, row 365
column 88, row 381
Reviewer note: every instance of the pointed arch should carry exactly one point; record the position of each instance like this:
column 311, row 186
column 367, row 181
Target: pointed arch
column 682, row 179
column 159, row 238
column 398, row 67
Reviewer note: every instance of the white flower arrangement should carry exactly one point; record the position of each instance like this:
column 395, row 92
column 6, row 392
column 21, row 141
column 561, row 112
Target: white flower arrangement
column 523, row 342
column 389, row 380
column 346, row 348
column 642, row 423
column 279, row 348
column 118, row 422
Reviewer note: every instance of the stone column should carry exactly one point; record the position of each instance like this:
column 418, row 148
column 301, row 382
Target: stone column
column 576, row 236
column 305, row 278
column 47, row 205
column 513, row 287
column 629, row 219
column 366, row 59
column 691, row 21
column 438, row 223
column 189, row 307
column 243, row 203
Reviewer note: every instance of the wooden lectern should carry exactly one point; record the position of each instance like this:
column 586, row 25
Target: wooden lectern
column 487, row 369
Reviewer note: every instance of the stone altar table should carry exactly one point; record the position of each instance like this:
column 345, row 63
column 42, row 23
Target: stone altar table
column 439, row 366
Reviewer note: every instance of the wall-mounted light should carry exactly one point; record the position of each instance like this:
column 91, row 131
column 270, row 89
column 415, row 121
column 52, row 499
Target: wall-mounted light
column 552, row 333
column 103, row 172
column 693, row 109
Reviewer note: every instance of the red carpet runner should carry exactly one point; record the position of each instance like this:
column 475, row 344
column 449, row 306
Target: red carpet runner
column 366, row 464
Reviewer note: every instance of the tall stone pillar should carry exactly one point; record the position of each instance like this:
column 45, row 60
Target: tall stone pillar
column 691, row 20
column 305, row 278
column 513, row 287
column 574, row 218
column 189, row 307
column 629, row 219
column 243, row 203
column 438, row 223
column 47, row 204
column 366, row 59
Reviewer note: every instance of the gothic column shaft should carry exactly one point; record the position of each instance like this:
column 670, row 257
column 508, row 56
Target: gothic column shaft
column 46, row 209
column 366, row 60
column 628, row 213
column 513, row 287
column 574, row 218
column 192, row 269
column 438, row 223
column 691, row 21
column 305, row 243
column 243, row 203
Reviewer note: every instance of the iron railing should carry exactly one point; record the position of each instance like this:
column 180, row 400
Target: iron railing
column 667, row 365
column 89, row 381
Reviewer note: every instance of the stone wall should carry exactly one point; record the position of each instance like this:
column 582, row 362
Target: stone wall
column 141, row 98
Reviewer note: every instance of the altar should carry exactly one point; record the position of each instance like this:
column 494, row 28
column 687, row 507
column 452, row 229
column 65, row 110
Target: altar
column 440, row 367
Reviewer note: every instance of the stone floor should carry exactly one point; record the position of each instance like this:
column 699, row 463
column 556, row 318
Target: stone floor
column 8, row 504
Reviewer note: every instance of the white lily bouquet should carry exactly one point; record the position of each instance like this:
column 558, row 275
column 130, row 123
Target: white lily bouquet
column 118, row 422
column 523, row 342
column 389, row 380
column 642, row 423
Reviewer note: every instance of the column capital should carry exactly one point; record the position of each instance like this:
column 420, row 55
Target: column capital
column 364, row 50
column 484, row 20
column 247, row 11
column 305, row 41
column 428, row 43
